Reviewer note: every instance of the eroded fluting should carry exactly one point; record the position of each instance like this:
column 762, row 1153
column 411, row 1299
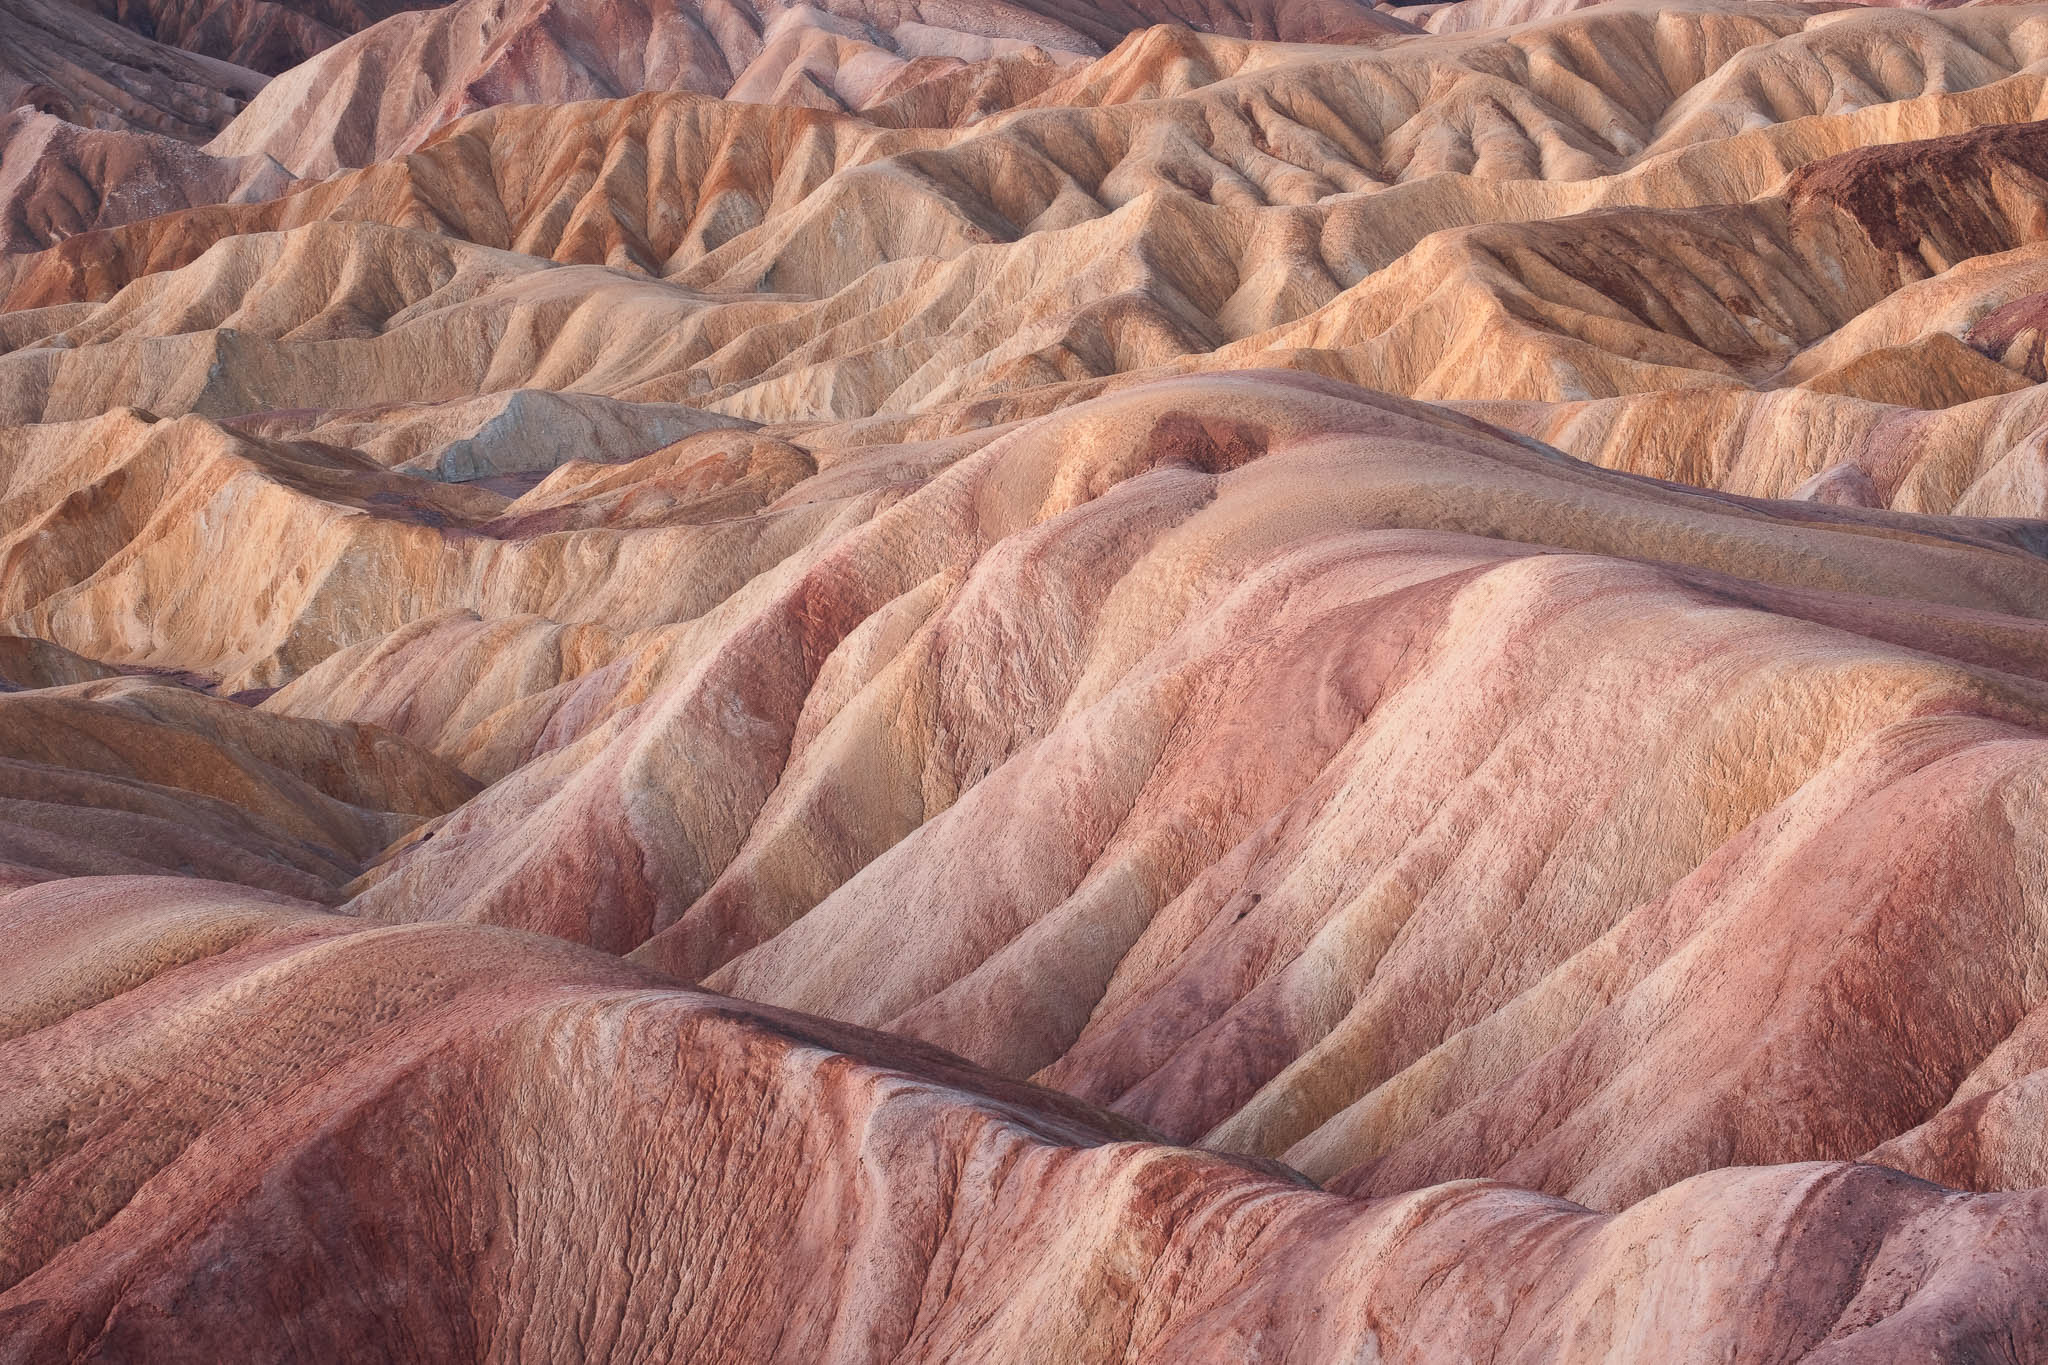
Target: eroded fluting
column 1180, row 680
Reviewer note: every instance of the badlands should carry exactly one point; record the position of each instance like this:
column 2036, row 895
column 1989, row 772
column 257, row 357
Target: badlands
column 1023, row 680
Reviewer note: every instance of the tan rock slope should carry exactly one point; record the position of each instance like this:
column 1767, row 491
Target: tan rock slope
column 1231, row 204
column 1186, row 680
column 387, row 90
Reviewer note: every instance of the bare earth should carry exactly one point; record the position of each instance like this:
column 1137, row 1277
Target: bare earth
column 1023, row 680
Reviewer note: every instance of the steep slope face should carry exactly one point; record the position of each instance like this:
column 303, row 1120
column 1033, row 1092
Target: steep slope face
column 61, row 60
column 722, row 527
column 1354, row 212
column 1097, row 650
column 188, row 1081
column 1984, row 457
column 27, row 662
column 1325, row 120
column 134, row 775
column 387, row 90
column 1563, row 307
column 105, row 773
column 1086, row 617
column 58, row 180
column 257, row 34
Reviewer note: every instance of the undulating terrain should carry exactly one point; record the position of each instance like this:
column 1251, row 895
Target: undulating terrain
column 1023, row 680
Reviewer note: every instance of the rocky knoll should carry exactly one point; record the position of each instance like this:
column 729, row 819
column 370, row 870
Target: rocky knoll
column 1186, row 680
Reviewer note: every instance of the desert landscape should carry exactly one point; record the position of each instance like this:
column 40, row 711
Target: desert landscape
column 1023, row 681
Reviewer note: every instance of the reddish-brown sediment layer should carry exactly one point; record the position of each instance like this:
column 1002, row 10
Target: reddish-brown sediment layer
column 223, row 1107
column 909, row 681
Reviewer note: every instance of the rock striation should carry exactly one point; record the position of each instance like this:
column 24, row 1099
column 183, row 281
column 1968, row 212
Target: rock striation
column 992, row 1219
column 387, row 90
column 61, row 180
column 882, row 680
column 62, row 60
column 1193, row 202
column 258, row 34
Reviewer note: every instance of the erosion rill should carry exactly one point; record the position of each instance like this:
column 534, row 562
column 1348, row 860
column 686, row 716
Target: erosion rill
column 1023, row 680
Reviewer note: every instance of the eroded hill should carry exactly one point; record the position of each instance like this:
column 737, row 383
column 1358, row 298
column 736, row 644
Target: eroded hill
column 1147, row 682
